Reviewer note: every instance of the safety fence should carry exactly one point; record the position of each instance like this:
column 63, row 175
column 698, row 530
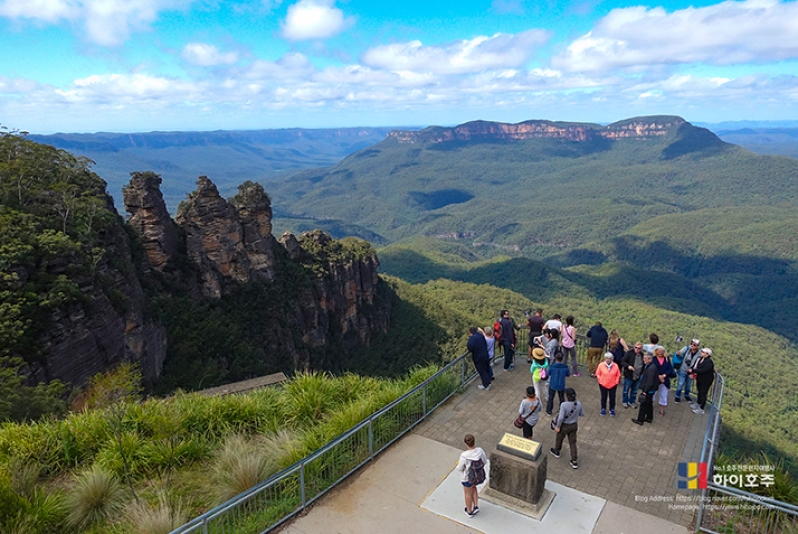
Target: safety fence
column 728, row 510
column 272, row 502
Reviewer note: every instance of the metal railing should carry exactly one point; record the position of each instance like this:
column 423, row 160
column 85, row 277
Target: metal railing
column 272, row 502
column 727, row 510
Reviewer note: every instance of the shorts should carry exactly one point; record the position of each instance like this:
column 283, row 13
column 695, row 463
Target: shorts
column 467, row 484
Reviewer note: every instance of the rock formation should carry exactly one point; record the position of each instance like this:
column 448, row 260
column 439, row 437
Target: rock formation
column 149, row 218
column 109, row 327
column 229, row 244
column 639, row 128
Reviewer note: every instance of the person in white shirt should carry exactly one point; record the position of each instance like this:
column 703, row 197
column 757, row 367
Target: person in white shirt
column 466, row 457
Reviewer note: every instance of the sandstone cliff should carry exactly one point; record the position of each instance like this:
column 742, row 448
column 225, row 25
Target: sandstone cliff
column 637, row 128
column 108, row 326
column 323, row 291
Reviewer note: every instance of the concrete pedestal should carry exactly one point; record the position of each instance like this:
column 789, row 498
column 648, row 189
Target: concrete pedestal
column 518, row 483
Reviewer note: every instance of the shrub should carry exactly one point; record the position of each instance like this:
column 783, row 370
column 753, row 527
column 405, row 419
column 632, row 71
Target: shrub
column 161, row 518
column 240, row 464
column 95, row 497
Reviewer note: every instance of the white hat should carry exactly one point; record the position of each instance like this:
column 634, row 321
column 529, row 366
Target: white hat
column 708, row 351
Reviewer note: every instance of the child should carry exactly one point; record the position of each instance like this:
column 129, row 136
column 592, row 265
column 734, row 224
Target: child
column 558, row 371
column 530, row 411
column 539, row 362
column 470, row 490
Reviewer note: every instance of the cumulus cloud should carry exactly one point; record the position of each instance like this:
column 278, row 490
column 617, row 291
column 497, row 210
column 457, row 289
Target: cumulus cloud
column 314, row 19
column 207, row 55
column 730, row 32
column 459, row 57
column 106, row 22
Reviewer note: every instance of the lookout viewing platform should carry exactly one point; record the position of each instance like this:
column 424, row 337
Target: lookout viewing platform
column 629, row 470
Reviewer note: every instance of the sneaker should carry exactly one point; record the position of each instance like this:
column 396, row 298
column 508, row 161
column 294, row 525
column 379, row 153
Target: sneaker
column 603, row 412
column 480, row 386
column 612, row 413
column 694, row 405
column 635, row 421
column 487, row 388
column 577, row 374
column 511, row 367
column 633, row 405
column 468, row 514
column 677, row 399
column 475, row 511
column 698, row 410
column 554, row 453
column 548, row 414
column 688, row 398
column 625, row 404
column 574, row 464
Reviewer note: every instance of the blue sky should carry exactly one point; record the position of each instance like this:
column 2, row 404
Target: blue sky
column 142, row 65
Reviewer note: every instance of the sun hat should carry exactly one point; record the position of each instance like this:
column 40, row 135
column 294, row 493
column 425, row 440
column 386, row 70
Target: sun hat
column 538, row 354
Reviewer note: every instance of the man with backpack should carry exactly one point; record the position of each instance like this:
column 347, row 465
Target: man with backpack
column 472, row 468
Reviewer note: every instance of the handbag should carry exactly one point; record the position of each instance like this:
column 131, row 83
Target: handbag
column 519, row 421
column 641, row 398
column 543, row 375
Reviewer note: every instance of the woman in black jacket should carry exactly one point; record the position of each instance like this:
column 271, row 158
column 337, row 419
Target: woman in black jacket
column 704, row 371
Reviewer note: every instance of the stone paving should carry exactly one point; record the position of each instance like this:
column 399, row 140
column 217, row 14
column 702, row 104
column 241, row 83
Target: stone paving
column 631, row 465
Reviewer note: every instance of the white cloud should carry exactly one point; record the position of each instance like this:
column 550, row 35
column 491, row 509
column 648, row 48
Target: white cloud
column 459, row 57
column 314, row 19
column 730, row 32
column 207, row 55
column 106, row 22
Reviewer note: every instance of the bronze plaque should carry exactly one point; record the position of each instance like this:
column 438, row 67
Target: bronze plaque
column 518, row 446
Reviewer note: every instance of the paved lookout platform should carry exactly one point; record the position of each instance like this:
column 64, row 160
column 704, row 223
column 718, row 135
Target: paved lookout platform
column 626, row 476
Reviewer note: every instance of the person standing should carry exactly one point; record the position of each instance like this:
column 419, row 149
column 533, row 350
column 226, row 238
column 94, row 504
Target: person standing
column 609, row 376
column 704, row 371
column 468, row 456
column 632, row 366
column 598, row 340
column 555, row 323
column 665, row 372
column 569, row 344
column 530, row 411
column 490, row 341
column 567, row 425
column 508, row 340
column 648, row 387
column 535, row 323
column 617, row 346
column 539, row 362
column 682, row 362
column 558, row 372
column 478, row 348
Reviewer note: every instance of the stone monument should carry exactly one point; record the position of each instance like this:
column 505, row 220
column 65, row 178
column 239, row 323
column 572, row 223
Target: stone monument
column 518, row 477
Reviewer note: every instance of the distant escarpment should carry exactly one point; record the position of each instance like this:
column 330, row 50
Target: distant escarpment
column 301, row 302
column 635, row 128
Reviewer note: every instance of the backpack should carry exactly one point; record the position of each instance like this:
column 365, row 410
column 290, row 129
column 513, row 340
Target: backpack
column 558, row 350
column 497, row 331
column 476, row 472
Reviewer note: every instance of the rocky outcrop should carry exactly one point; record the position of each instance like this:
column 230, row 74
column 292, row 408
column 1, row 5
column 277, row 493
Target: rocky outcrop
column 230, row 244
column 637, row 128
column 107, row 327
column 150, row 219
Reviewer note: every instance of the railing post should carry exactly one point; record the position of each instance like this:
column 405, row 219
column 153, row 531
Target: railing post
column 463, row 374
column 303, row 496
column 371, row 437
column 424, row 399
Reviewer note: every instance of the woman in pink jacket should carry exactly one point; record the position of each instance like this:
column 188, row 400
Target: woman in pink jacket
column 608, row 375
